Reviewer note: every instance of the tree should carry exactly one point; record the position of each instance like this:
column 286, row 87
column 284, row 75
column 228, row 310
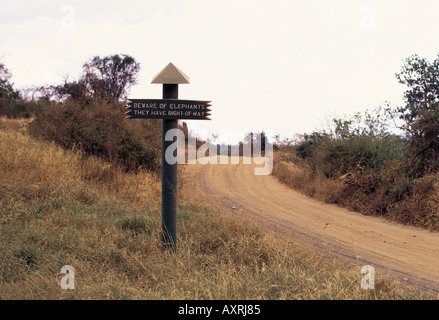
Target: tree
column 11, row 103
column 105, row 78
column 421, row 112
column 75, row 90
column 6, row 89
column 110, row 77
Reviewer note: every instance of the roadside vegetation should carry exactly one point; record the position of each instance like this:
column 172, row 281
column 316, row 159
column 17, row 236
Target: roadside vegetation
column 80, row 186
column 361, row 164
column 59, row 207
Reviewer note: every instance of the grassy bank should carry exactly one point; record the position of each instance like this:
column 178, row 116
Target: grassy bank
column 59, row 208
column 366, row 192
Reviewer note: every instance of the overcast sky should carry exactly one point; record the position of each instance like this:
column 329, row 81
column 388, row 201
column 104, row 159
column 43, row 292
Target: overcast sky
column 283, row 65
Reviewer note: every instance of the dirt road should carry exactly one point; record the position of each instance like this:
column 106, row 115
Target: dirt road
column 407, row 252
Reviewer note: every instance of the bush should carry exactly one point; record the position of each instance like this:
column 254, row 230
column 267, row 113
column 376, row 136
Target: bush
column 98, row 129
column 420, row 206
column 335, row 157
column 309, row 145
column 17, row 109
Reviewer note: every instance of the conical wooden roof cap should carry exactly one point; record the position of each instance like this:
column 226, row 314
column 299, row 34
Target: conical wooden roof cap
column 171, row 75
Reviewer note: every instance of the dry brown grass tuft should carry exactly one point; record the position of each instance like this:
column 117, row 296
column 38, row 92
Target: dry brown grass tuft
column 422, row 207
column 301, row 178
column 13, row 123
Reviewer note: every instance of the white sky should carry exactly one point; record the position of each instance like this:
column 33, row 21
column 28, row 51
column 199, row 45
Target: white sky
column 279, row 65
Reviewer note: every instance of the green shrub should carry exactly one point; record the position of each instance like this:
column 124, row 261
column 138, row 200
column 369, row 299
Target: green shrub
column 401, row 189
column 98, row 129
column 18, row 108
column 309, row 145
column 335, row 157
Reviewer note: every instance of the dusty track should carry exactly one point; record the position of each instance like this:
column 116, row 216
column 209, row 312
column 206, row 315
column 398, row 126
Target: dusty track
column 407, row 252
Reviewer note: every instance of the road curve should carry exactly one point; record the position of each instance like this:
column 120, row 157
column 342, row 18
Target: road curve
column 407, row 252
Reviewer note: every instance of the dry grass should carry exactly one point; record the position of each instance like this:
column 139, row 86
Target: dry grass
column 36, row 166
column 304, row 180
column 14, row 124
column 58, row 208
column 422, row 207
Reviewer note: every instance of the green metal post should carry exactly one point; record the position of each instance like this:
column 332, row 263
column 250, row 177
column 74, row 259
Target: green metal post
column 169, row 179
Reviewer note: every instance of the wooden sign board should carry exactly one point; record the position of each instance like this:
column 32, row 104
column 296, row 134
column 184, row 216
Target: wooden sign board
column 168, row 109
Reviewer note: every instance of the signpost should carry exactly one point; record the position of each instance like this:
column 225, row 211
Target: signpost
column 169, row 109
